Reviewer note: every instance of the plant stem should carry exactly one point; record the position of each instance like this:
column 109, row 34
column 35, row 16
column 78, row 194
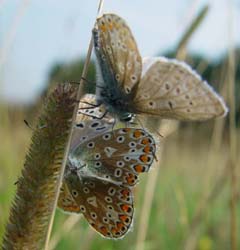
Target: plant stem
column 79, row 93
column 232, row 133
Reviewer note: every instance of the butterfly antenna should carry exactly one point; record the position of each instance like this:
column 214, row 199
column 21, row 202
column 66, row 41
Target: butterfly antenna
column 101, row 117
column 104, row 114
column 84, row 79
column 154, row 130
column 139, row 121
column 91, row 105
column 158, row 133
column 27, row 124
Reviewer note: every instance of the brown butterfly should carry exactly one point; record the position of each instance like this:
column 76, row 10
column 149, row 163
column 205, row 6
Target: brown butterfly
column 102, row 169
column 160, row 87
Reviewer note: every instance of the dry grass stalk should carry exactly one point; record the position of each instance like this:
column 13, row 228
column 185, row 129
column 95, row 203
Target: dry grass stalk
column 181, row 52
column 147, row 204
column 89, row 237
column 210, row 192
column 230, row 168
column 165, row 128
column 36, row 188
column 67, row 226
column 232, row 132
column 7, row 43
column 203, row 206
column 74, row 115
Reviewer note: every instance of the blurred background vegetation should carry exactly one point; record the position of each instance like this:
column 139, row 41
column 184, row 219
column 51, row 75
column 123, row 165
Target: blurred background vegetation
column 190, row 186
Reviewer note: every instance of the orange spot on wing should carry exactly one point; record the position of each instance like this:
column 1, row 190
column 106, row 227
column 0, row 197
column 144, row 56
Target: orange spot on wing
column 125, row 192
column 110, row 26
column 131, row 179
column 114, row 230
column 120, row 225
column 138, row 168
column 143, row 158
column 103, row 230
column 75, row 209
column 147, row 149
column 103, row 28
column 125, row 207
column 137, row 133
column 69, row 208
column 123, row 217
column 145, row 141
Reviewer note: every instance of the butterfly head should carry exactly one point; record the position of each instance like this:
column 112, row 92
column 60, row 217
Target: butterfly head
column 126, row 117
column 117, row 104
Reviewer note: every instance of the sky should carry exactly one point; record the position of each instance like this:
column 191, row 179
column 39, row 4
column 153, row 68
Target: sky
column 36, row 34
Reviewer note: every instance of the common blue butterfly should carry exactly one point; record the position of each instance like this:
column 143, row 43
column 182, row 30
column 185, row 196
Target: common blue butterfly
column 161, row 87
column 102, row 169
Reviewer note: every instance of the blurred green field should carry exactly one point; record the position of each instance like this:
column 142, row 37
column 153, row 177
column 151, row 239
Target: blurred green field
column 189, row 167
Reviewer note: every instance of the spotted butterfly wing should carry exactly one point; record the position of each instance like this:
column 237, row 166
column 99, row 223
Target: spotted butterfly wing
column 107, row 206
column 88, row 109
column 119, row 155
column 88, row 122
column 100, row 174
column 171, row 89
column 65, row 200
column 117, row 52
column 119, row 63
column 166, row 88
column 86, row 127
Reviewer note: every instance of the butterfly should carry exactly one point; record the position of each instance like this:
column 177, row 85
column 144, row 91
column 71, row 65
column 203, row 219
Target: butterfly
column 102, row 169
column 160, row 87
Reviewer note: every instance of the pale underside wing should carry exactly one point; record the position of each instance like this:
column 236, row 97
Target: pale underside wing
column 165, row 88
column 117, row 51
column 65, row 200
column 88, row 123
column 171, row 89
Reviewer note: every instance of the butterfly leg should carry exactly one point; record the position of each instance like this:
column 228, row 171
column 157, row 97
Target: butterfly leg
column 113, row 124
column 91, row 105
column 155, row 131
column 140, row 123
column 29, row 126
column 101, row 117
column 154, row 156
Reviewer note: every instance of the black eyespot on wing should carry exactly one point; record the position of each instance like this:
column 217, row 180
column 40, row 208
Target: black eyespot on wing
column 101, row 128
column 80, row 125
column 95, row 124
